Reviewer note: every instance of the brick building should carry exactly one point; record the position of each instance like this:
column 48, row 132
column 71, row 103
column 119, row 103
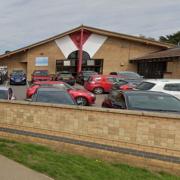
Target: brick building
column 83, row 48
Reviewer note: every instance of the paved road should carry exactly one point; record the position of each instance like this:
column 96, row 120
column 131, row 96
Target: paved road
column 10, row 170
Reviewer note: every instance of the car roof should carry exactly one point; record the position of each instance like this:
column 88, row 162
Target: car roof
column 100, row 75
column 136, row 92
column 40, row 70
column 127, row 72
column 48, row 82
column 64, row 72
column 162, row 81
column 54, row 89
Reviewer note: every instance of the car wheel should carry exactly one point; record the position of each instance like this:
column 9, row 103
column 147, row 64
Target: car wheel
column 98, row 90
column 82, row 101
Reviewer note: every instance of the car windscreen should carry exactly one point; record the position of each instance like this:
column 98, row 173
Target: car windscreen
column 57, row 97
column 17, row 74
column 40, row 73
column 3, row 94
column 154, row 102
column 145, row 86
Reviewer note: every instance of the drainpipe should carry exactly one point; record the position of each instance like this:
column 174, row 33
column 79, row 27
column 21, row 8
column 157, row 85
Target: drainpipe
column 80, row 52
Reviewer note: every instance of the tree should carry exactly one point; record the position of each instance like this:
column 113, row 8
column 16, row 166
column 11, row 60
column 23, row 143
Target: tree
column 172, row 38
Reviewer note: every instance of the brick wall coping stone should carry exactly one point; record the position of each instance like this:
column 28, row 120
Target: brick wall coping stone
column 96, row 109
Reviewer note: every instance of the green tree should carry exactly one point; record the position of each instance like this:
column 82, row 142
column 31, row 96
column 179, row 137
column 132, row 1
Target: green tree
column 172, row 38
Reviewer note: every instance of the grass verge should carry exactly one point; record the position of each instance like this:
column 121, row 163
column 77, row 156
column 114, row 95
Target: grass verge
column 63, row 166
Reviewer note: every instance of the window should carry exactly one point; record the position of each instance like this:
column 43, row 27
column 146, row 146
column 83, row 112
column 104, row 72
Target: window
column 153, row 102
column 145, row 86
column 111, row 79
column 172, row 87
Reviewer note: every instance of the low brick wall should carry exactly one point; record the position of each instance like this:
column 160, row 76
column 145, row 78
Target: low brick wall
column 140, row 138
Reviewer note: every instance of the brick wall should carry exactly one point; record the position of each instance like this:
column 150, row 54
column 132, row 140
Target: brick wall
column 153, row 139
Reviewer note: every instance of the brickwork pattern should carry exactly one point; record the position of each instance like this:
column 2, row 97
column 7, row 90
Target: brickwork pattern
column 143, row 132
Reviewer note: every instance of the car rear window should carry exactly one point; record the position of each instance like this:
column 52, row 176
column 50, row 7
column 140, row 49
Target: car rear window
column 58, row 97
column 172, row 87
column 145, row 86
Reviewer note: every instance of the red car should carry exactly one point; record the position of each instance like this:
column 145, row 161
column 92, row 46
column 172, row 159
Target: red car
column 81, row 96
column 100, row 83
column 41, row 75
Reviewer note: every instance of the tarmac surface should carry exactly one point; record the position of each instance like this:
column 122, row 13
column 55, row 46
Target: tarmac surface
column 10, row 170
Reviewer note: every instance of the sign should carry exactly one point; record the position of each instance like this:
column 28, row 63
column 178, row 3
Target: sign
column 41, row 61
column 67, row 63
column 90, row 62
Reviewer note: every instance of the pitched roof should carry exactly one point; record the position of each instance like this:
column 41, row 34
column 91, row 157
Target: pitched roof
column 169, row 53
column 94, row 30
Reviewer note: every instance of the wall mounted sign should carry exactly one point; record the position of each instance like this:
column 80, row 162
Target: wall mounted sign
column 90, row 62
column 67, row 63
column 41, row 61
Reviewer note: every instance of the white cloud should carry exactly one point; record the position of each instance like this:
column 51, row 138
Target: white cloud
column 23, row 22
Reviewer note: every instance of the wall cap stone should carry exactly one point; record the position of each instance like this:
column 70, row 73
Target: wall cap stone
column 97, row 109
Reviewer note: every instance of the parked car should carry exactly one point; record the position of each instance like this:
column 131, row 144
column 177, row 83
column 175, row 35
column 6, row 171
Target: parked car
column 17, row 77
column 65, row 76
column 82, row 97
column 83, row 76
column 41, row 75
column 169, row 86
column 135, row 78
column 6, row 93
column 53, row 95
column 142, row 100
column 100, row 83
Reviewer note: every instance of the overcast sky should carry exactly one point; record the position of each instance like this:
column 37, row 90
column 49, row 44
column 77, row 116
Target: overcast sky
column 23, row 22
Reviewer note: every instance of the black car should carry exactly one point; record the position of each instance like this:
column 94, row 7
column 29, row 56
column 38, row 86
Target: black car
column 17, row 77
column 84, row 76
column 142, row 100
column 66, row 77
column 53, row 95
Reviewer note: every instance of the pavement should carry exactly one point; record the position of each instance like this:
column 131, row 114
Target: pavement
column 10, row 170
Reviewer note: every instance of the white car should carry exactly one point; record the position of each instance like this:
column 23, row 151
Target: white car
column 169, row 86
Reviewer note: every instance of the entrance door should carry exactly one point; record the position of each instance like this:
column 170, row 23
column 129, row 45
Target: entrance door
column 152, row 69
column 71, row 63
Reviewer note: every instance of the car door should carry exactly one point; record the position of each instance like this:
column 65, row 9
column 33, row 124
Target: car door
column 109, row 82
column 173, row 89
